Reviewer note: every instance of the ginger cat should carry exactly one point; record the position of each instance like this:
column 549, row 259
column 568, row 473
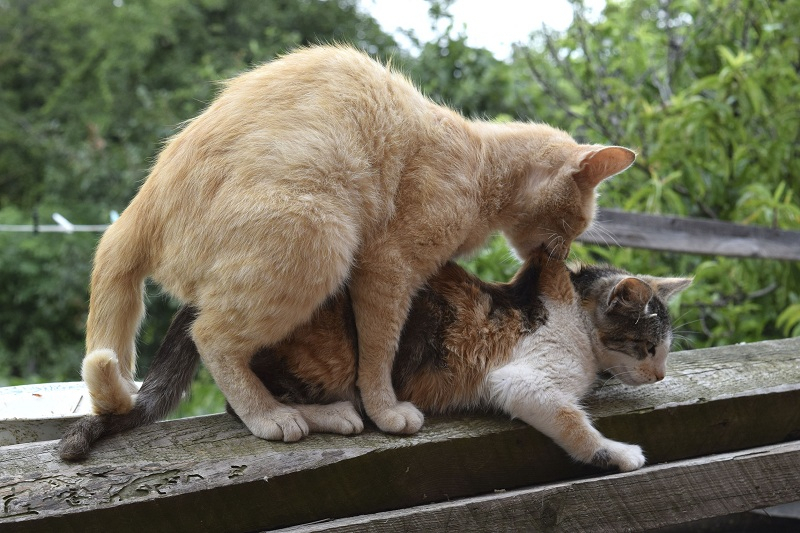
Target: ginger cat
column 315, row 170
column 530, row 348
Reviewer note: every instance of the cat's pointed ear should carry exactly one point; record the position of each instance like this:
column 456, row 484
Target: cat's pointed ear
column 629, row 293
column 669, row 287
column 603, row 163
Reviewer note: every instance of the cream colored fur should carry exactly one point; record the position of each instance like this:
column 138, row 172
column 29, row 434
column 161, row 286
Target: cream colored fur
column 103, row 375
column 309, row 171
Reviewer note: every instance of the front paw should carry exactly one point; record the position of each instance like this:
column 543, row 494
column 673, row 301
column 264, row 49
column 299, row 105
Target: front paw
column 625, row 457
column 282, row 423
column 402, row 418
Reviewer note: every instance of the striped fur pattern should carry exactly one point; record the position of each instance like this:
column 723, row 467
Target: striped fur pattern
column 530, row 348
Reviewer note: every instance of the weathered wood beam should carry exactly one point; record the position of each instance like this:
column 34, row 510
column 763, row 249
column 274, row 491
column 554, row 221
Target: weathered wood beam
column 208, row 473
column 691, row 235
column 654, row 497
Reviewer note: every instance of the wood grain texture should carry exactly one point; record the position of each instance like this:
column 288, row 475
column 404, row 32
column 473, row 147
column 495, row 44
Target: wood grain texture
column 691, row 235
column 650, row 498
column 208, row 473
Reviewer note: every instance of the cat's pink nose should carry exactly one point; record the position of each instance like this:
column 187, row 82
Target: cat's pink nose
column 659, row 374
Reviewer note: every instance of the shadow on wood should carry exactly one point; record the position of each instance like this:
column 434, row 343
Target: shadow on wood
column 635, row 501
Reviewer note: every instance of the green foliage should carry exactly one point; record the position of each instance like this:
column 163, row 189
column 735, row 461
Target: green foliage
column 706, row 91
column 204, row 397
column 495, row 262
column 708, row 94
column 46, row 276
column 789, row 320
column 41, row 330
column 88, row 92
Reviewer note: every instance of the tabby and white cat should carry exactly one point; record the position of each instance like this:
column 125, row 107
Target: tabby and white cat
column 530, row 348
column 321, row 168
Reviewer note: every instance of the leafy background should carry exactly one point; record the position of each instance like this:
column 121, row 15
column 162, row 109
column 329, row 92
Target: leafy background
column 707, row 92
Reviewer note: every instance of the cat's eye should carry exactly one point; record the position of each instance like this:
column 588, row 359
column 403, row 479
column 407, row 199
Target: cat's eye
column 651, row 349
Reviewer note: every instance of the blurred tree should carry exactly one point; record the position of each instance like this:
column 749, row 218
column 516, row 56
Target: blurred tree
column 470, row 80
column 708, row 92
column 88, row 92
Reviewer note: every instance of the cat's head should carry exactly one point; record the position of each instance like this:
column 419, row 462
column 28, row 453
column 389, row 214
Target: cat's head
column 631, row 320
column 557, row 202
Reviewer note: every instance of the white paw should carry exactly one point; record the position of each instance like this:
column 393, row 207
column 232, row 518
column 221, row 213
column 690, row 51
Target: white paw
column 401, row 418
column 340, row 417
column 282, row 423
column 625, row 457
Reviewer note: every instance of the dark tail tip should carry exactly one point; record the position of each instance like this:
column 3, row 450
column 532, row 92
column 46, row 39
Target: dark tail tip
column 79, row 437
column 170, row 375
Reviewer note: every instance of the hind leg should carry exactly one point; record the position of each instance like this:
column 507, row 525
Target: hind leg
column 229, row 330
column 227, row 356
column 260, row 292
column 340, row 417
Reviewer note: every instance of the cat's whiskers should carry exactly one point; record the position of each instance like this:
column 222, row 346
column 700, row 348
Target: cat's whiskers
column 678, row 333
column 617, row 375
column 683, row 315
column 678, row 341
column 611, row 370
column 510, row 258
column 559, row 242
column 679, row 346
column 679, row 336
column 677, row 328
column 553, row 236
column 605, row 234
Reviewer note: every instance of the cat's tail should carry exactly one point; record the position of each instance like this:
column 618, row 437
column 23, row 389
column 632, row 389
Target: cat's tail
column 116, row 308
column 168, row 378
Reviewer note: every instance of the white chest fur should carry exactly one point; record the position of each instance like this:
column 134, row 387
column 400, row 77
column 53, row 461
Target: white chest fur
column 550, row 370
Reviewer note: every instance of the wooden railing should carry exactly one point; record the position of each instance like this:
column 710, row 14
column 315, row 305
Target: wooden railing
column 209, row 473
column 691, row 235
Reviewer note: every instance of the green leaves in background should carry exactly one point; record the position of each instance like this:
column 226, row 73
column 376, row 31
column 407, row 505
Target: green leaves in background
column 708, row 92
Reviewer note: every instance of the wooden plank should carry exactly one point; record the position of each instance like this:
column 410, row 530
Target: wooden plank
column 650, row 498
column 41, row 411
column 30, row 413
column 691, row 235
column 208, row 473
